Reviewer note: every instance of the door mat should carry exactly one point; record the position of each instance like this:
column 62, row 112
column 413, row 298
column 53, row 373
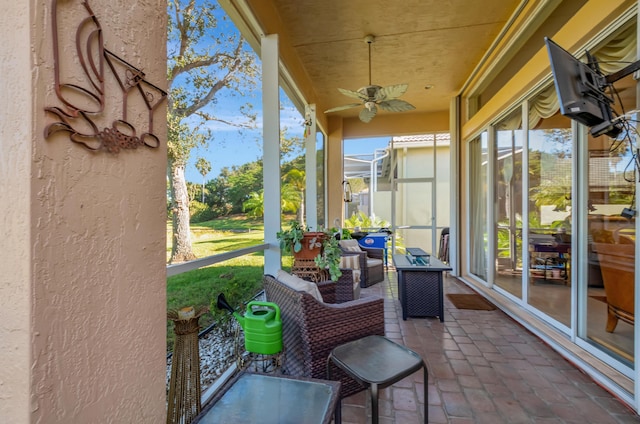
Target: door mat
column 470, row 301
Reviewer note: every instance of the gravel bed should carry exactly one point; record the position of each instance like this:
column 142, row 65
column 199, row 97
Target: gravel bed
column 217, row 353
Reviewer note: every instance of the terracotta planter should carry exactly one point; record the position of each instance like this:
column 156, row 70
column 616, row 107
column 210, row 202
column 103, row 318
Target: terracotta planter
column 311, row 245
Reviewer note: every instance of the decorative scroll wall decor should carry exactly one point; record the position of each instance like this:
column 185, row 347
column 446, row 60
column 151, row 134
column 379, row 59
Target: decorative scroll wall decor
column 83, row 100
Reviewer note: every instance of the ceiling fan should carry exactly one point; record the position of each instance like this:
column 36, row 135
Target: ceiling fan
column 372, row 96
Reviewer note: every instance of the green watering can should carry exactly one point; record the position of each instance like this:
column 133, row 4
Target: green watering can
column 261, row 324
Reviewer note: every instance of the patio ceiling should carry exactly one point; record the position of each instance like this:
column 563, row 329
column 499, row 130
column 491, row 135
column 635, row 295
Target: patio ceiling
column 420, row 42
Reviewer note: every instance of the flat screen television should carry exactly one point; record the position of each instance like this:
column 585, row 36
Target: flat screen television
column 581, row 91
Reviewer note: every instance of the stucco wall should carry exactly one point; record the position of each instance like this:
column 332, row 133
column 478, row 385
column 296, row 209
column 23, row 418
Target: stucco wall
column 90, row 231
column 15, row 148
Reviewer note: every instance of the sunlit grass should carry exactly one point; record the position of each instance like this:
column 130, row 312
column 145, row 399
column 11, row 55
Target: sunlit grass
column 239, row 279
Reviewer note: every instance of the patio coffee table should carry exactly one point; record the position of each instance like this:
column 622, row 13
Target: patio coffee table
column 272, row 399
column 377, row 362
column 420, row 286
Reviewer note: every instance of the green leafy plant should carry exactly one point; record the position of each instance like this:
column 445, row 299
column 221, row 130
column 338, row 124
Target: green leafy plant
column 330, row 257
column 361, row 220
column 291, row 239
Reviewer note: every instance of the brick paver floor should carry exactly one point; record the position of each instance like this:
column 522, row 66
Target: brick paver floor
column 483, row 368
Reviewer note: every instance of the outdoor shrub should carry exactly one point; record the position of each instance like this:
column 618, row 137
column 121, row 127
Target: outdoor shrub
column 363, row 221
column 200, row 212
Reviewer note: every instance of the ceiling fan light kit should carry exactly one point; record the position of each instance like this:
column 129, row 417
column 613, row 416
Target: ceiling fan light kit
column 372, row 96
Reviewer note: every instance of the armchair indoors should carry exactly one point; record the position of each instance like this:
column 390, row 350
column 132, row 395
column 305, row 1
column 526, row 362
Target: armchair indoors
column 371, row 261
column 311, row 328
column 617, row 264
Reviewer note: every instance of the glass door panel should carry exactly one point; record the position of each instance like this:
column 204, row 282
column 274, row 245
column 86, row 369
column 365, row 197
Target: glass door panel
column 508, row 203
column 414, row 219
column 550, row 205
column 610, row 255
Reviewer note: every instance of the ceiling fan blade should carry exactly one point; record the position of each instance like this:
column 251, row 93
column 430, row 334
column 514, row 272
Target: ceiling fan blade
column 391, row 92
column 396, row 105
column 345, row 107
column 352, row 94
column 366, row 115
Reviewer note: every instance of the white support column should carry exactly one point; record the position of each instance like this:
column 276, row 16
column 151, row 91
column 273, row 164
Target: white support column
column 271, row 158
column 455, row 146
column 311, row 192
column 491, row 206
column 636, row 328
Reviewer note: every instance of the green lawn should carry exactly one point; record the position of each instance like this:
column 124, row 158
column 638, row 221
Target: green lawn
column 239, row 279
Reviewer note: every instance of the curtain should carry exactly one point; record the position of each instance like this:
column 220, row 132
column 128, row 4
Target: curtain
column 618, row 52
column 543, row 106
column 477, row 210
column 613, row 56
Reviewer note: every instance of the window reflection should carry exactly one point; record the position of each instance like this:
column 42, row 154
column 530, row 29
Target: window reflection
column 550, row 206
column 509, row 142
column 611, row 241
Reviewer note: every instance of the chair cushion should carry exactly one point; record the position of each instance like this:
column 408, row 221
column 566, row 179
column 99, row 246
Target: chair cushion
column 350, row 245
column 371, row 262
column 352, row 262
column 298, row 284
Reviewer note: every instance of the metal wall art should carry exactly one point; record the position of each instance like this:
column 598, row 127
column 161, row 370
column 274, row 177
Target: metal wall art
column 82, row 93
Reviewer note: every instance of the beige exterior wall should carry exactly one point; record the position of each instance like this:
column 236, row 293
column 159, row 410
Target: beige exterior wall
column 82, row 301
column 334, row 171
column 15, row 168
column 394, row 124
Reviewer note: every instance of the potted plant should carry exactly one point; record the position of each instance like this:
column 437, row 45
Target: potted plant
column 320, row 246
column 300, row 242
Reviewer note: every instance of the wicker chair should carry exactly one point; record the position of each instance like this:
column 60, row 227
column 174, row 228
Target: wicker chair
column 311, row 329
column 339, row 291
column 371, row 261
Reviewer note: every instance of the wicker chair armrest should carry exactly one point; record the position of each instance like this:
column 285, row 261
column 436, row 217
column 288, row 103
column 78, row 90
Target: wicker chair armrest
column 338, row 291
column 327, row 291
column 344, row 286
column 374, row 252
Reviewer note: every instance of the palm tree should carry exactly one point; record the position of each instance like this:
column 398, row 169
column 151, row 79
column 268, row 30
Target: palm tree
column 295, row 179
column 204, row 167
column 291, row 199
column 254, row 205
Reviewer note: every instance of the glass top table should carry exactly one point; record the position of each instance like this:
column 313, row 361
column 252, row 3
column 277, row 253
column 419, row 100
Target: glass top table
column 264, row 399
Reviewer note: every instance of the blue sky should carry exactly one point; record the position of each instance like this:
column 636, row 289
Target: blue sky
column 365, row 145
column 232, row 146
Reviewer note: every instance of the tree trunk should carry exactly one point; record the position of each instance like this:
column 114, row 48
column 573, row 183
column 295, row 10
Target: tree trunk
column 181, row 250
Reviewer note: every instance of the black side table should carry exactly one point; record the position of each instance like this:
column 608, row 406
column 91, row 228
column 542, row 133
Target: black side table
column 378, row 362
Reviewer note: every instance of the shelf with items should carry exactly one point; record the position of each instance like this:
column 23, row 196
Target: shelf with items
column 550, row 267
